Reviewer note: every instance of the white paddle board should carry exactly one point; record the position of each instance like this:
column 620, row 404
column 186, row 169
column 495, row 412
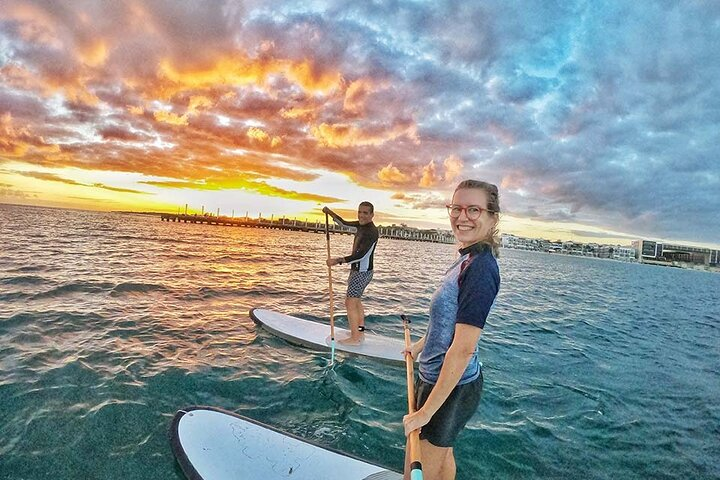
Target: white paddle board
column 213, row 444
column 317, row 335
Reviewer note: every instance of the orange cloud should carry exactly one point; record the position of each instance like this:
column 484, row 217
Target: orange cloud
column 240, row 70
column 258, row 134
column 135, row 110
column 195, row 105
column 170, row 117
column 197, row 102
column 429, row 175
column 299, row 112
column 261, row 136
column 357, row 94
column 11, row 139
column 94, row 53
column 345, row 135
column 17, row 142
column 35, row 26
column 72, row 88
column 453, row 167
column 391, row 174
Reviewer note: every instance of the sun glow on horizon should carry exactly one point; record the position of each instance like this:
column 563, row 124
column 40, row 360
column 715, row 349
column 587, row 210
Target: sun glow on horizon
column 279, row 113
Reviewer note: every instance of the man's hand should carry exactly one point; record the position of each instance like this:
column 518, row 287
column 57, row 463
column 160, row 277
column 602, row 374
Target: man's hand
column 334, row 261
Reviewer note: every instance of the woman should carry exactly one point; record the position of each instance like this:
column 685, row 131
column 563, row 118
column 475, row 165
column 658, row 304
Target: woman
column 450, row 377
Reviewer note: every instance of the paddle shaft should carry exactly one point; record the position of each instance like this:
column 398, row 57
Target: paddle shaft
column 332, row 303
column 414, row 437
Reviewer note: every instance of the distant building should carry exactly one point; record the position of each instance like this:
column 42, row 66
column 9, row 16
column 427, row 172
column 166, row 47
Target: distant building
column 656, row 252
column 615, row 252
column 626, row 254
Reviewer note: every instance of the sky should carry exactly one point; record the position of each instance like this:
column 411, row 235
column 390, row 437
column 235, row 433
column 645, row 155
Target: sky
column 598, row 120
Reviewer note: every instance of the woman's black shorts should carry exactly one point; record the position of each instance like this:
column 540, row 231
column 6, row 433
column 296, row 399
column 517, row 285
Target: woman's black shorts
column 450, row 419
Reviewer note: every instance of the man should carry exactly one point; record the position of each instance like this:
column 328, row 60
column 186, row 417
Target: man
column 361, row 268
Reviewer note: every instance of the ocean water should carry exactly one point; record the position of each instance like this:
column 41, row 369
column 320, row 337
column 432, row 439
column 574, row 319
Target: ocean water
column 110, row 323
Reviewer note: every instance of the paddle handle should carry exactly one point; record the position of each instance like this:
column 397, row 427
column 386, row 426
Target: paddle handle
column 332, row 302
column 414, row 437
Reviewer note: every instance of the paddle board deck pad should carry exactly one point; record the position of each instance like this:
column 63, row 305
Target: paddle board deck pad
column 317, row 335
column 210, row 443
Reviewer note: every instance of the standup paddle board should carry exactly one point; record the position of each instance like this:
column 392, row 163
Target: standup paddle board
column 317, row 335
column 213, row 444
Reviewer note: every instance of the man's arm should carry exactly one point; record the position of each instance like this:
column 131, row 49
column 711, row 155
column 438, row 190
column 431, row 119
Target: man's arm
column 339, row 219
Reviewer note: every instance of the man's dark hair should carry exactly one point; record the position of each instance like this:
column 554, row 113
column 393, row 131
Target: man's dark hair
column 368, row 204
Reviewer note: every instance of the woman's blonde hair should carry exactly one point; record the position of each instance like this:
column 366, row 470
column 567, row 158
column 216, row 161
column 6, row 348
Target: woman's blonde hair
column 493, row 240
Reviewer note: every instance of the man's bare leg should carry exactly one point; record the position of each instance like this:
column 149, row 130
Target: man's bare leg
column 356, row 317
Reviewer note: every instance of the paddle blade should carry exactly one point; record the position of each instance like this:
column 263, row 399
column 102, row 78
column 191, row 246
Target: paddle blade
column 416, row 471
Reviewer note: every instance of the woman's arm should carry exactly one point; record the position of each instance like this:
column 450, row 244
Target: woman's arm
column 455, row 362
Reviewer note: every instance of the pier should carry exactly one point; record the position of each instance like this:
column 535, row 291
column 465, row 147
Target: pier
column 394, row 232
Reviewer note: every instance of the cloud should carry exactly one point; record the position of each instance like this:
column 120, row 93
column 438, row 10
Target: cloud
column 603, row 235
column 18, row 142
column 429, row 175
column 118, row 133
column 580, row 114
column 259, row 135
column 48, row 177
column 453, row 167
column 245, row 184
column 345, row 135
column 171, row 118
column 121, row 190
column 391, row 174
column 52, row 177
column 420, row 201
column 9, row 193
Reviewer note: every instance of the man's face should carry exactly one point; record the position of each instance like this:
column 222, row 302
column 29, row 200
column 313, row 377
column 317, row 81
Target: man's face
column 365, row 215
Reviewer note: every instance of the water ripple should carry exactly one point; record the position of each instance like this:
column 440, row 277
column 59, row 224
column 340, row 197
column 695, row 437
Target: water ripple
column 109, row 323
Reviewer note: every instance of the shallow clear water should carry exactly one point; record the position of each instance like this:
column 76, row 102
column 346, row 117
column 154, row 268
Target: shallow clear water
column 110, row 322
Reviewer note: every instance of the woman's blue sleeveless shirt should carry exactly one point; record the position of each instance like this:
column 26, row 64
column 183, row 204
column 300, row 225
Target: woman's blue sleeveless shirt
column 465, row 296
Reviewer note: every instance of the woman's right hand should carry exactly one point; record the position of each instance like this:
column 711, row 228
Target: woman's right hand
column 414, row 421
column 413, row 351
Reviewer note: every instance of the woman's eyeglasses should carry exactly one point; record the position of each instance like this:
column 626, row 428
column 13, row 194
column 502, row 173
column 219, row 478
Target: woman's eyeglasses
column 472, row 212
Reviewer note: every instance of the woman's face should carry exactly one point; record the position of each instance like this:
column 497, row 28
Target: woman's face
column 469, row 231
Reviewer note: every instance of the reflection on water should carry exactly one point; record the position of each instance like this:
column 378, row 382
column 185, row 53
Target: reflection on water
column 111, row 322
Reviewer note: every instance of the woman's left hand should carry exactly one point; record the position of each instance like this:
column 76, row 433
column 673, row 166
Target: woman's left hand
column 413, row 421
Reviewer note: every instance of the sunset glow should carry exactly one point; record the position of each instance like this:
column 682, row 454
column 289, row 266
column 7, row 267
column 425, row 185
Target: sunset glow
column 282, row 108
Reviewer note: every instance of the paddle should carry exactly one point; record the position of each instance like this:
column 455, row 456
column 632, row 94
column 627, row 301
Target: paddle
column 414, row 437
column 332, row 303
